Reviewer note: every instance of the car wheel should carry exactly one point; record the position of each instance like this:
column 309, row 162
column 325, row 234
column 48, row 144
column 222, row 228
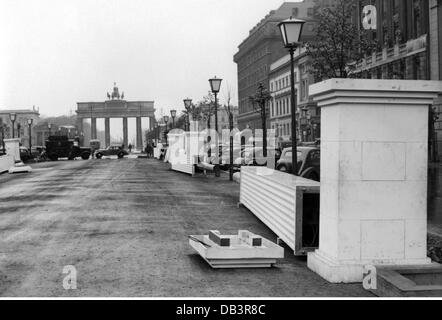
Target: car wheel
column 99, row 155
column 85, row 156
column 283, row 168
column 53, row 157
column 120, row 155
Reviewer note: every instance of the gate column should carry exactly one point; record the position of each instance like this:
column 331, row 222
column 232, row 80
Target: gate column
column 125, row 132
column 107, row 131
column 139, row 134
column 374, row 154
column 93, row 128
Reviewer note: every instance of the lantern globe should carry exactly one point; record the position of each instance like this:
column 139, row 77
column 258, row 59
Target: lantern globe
column 215, row 84
column 187, row 103
column 291, row 30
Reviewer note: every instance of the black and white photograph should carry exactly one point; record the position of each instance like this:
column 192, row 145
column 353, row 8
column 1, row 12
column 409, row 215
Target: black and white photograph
column 220, row 150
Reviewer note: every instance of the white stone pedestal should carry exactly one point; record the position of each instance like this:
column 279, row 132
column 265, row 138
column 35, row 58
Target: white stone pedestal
column 12, row 147
column 374, row 144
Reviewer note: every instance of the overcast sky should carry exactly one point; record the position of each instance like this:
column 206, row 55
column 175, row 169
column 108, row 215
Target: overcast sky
column 54, row 53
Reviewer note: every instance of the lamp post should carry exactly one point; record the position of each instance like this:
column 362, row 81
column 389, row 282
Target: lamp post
column 291, row 30
column 188, row 105
column 215, row 85
column 2, row 130
column 262, row 97
column 13, row 117
column 156, row 132
column 166, row 120
column 173, row 115
column 49, row 128
column 30, row 136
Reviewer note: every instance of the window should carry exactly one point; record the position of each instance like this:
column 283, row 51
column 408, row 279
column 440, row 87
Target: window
column 304, row 85
column 417, row 18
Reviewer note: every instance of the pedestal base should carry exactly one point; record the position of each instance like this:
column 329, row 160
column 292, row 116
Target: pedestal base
column 350, row 271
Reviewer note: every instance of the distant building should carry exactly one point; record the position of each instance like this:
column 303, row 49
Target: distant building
column 280, row 105
column 21, row 127
column 260, row 49
column 223, row 119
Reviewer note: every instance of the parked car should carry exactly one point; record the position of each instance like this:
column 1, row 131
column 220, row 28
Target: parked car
column 254, row 156
column 25, row 155
column 112, row 150
column 37, row 150
column 225, row 156
column 308, row 162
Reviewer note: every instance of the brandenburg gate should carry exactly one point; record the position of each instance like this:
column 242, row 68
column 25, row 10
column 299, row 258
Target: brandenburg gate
column 116, row 107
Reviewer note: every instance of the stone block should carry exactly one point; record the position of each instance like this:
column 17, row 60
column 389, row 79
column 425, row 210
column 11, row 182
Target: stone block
column 382, row 161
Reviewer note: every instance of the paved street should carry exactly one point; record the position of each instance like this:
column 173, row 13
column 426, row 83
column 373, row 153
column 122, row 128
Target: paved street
column 124, row 225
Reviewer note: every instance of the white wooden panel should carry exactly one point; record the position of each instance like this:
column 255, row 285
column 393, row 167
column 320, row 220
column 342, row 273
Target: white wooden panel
column 272, row 198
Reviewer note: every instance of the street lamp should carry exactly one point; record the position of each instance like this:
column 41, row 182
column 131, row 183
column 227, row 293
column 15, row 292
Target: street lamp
column 291, row 30
column 166, row 120
column 13, row 117
column 215, row 85
column 30, row 142
column 188, row 105
column 261, row 98
column 49, row 128
column 156, row 132
column 2, row 130
column 173, row 115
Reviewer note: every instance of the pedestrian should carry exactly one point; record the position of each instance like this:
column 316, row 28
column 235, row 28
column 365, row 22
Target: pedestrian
column 130, row 147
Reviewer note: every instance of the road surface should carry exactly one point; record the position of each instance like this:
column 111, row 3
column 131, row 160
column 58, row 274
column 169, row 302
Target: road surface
column 123, row 224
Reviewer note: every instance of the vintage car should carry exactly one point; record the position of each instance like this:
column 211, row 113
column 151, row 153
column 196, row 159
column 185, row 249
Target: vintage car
column 60, row 146
column 25, row 155
column 112, row 150
column 308, row 162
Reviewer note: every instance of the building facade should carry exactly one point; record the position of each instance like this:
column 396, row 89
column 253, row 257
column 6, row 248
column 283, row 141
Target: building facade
column 401, row 33
column 307, row 113
column 260, row 49
column 409, row 37
column 21, row 127
column 223, row 119
column 435, row 31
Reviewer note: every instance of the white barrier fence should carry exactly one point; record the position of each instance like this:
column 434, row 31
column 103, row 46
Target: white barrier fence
column 181, row 153
column 278, row 200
